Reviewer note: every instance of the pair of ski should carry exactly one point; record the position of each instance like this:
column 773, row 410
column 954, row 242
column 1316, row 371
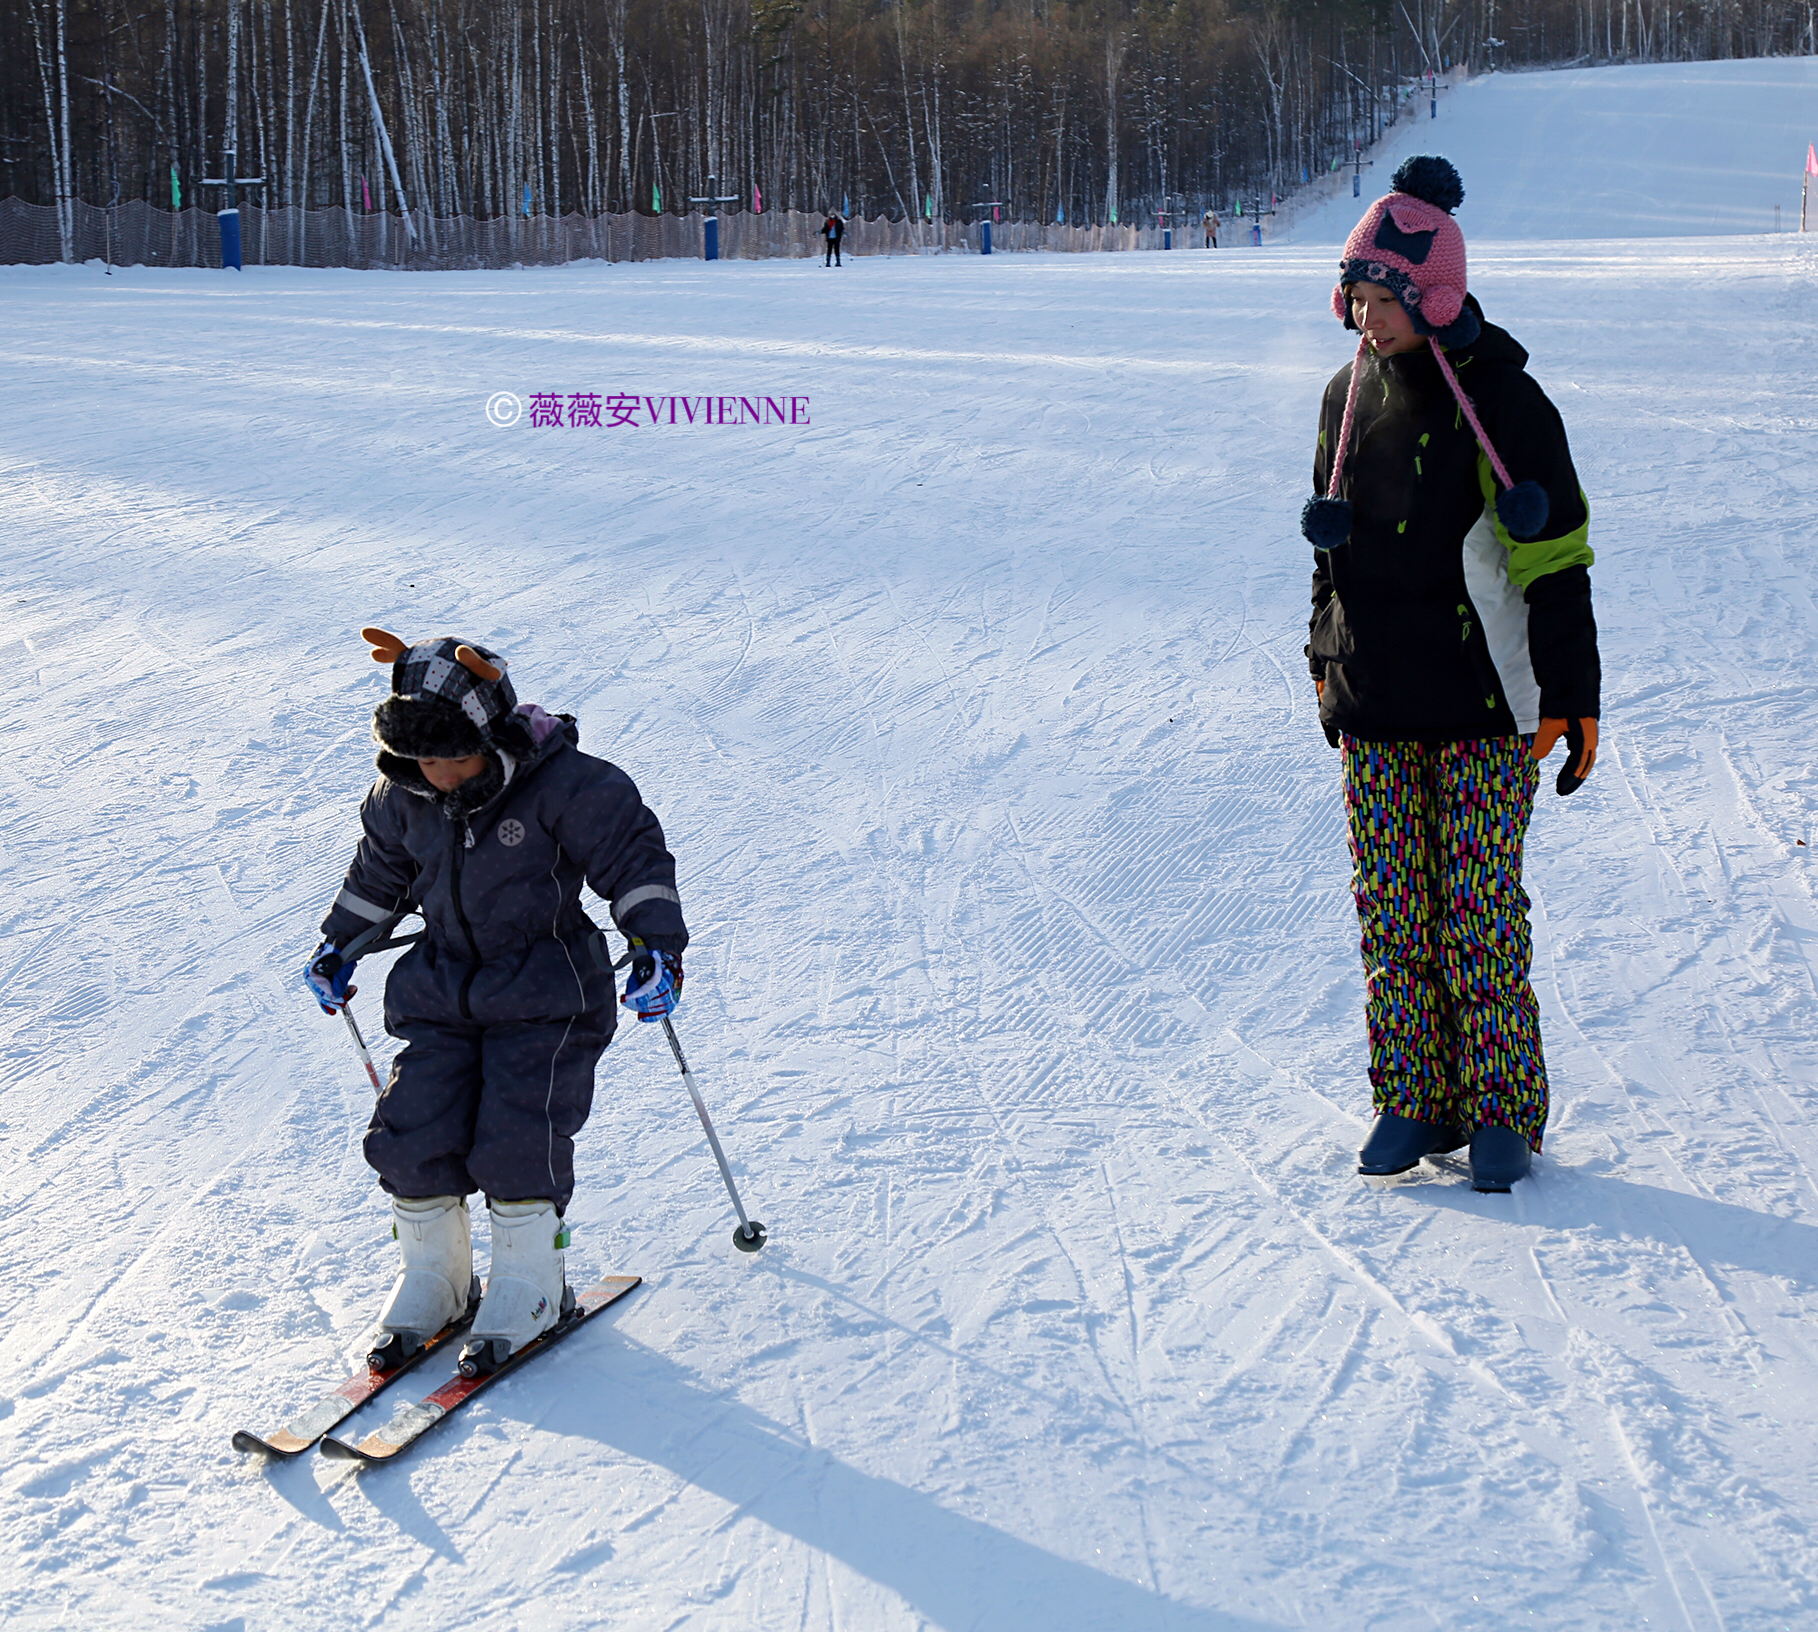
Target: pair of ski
column 410, row 1424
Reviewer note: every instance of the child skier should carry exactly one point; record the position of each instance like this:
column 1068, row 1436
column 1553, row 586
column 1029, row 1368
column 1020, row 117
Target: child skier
column 1453, row 645
column 486, row 819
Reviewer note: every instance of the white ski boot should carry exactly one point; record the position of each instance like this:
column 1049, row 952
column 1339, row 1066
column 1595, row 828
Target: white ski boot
column 436, row 1282
column 525, row 1293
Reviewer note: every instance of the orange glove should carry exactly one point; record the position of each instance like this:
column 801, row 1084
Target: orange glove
column 1581, row 748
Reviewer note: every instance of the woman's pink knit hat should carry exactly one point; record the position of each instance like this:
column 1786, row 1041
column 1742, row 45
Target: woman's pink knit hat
column 1409, row 243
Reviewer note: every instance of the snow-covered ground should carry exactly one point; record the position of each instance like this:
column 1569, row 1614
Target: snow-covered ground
column 1025, row 982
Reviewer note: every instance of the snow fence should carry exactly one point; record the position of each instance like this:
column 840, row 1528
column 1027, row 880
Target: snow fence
column 138, row 234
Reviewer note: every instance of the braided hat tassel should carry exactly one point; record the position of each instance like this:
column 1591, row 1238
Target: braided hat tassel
column 1325, row 523
column 1521, row 507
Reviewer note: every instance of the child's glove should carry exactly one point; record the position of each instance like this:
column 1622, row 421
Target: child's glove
column 327, row 977
column 655, row 985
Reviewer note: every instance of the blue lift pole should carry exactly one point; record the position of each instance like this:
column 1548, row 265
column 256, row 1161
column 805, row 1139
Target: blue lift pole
column 229, row 213
column 711, row 227
column 984, row 227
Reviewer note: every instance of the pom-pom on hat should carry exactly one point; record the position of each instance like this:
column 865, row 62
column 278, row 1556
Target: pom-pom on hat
column 448, row 698
column 1409, row 243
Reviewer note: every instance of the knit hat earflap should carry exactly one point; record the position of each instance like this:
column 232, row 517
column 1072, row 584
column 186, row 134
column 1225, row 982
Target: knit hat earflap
column 448, row 698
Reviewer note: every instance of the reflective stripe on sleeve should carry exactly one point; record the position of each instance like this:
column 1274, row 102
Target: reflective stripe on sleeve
column 359, row 904
column 637, row 897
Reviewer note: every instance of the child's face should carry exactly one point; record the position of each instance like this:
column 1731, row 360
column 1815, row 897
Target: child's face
column 445, row 775
column 1383, row 319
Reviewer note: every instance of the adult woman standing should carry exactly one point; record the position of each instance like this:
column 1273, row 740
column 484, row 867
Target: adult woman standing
column 1453, row 644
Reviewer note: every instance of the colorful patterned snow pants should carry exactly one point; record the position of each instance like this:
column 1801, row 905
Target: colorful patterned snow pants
column 1436, row 835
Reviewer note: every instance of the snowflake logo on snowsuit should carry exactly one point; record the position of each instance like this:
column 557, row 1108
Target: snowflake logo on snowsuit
column 511, row 832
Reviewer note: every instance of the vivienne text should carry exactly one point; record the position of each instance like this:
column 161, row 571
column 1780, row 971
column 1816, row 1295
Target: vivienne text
column 603, row 411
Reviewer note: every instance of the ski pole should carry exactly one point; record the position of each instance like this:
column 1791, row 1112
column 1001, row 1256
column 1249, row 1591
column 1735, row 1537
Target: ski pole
column 359, row 1042
column 377, row 939
column 749, row 1236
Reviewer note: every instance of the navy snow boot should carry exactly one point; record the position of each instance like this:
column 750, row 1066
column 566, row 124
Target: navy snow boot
column 1396, row 1143
column 1499, row 1156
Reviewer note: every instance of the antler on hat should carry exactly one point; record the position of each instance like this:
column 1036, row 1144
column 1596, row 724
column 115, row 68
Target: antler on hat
column 471, row 661
column 386, row 647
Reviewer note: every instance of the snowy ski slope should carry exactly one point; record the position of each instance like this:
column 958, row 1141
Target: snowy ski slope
column 1025, row 985
column 1654, row 150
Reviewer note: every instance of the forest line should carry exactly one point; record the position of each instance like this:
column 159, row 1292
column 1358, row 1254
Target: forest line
column 933, row 109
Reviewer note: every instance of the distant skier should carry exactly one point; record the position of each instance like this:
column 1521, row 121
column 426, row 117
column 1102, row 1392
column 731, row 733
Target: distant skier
column 1210, row 222
column 487, row 818
column 833, row 229
column 1453, row 645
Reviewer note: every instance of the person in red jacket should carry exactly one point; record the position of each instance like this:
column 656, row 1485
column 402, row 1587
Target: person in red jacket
column 1453, row 645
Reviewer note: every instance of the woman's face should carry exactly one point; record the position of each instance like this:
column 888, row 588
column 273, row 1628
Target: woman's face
column 1384, row 321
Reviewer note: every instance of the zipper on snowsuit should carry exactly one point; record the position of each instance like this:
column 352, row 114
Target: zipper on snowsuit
column 473, row 946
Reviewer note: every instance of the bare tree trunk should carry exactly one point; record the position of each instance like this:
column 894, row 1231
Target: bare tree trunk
column 1115, row 47
column 616, row 15
column 309, row 125
column 289, row 195
column 902, row 55
column 58, row 131
column 590, row 196
column 347, row 171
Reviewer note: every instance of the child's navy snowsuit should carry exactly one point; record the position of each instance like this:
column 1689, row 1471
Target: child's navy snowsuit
column 503, row 1008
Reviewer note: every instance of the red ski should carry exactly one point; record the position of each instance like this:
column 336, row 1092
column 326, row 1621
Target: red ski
column 297, row 1436
column 410, row 1424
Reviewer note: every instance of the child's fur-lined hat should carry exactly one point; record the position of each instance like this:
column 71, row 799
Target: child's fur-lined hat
column 448, row 698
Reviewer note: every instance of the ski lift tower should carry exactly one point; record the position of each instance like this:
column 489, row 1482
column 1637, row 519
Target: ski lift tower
column 984, row 227
column 1358, row 161
column 229, row 213
column 711, row 227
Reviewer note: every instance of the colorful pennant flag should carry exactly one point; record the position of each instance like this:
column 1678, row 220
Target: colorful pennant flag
column 656, row 199
column 757, row 199
column 176, row 190
column 1811, row 159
